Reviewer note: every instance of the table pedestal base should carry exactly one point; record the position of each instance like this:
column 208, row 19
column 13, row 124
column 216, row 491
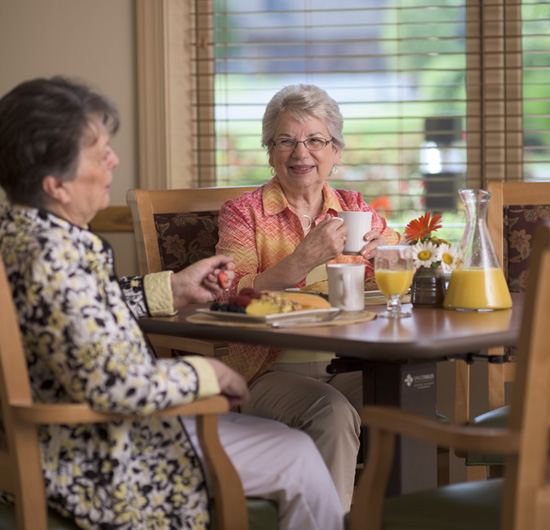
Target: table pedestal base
column 409, row 387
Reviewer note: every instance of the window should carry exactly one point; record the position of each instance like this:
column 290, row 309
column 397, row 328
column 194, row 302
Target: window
column 431, row 95
column 536, row 96
column 435, row 95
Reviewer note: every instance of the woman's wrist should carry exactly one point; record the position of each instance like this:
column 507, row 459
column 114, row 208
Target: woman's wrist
column 287, row 273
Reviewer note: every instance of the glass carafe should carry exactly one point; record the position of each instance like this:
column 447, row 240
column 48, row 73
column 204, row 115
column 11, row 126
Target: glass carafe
column 477, row 283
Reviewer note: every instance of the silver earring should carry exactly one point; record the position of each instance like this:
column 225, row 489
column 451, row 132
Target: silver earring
column 334, row 170
column 272, row 171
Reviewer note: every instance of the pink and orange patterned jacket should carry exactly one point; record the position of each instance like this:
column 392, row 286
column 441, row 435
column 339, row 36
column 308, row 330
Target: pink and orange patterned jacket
column 258, row 229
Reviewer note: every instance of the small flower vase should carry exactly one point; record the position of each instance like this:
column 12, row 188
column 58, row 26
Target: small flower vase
column 428, row 287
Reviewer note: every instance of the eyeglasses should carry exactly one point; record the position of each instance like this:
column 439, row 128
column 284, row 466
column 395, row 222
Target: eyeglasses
column 311, row 144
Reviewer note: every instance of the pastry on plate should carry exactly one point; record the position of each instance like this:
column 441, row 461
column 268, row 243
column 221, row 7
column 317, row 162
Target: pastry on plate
column 316, row 287
column 261, row 303
column 273, row 302
column 370, row 284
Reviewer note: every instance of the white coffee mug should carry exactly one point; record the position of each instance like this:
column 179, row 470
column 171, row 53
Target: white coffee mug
column 346, row 286
column 358, row 223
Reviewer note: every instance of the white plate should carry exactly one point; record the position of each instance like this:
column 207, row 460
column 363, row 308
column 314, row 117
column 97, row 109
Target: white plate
column 298, row 290
column 368, row 294
column 311, row 315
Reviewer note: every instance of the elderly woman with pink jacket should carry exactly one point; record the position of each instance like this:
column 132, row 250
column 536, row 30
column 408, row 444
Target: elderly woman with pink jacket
column 277, row 235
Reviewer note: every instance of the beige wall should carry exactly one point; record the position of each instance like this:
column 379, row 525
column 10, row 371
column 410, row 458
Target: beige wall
column 95, row 42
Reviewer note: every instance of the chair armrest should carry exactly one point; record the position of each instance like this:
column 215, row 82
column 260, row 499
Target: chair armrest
column 69, row 413
column 384, row 424
column 229, row 500
column 396, row 421
column 208, row 348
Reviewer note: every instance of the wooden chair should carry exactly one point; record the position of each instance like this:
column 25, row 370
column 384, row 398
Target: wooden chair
column 515, row 208
column 20, row 466
column 174, row 228
column 520, row 500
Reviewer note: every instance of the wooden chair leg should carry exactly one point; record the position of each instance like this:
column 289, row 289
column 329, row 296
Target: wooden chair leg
column 443, row 467
column 358, row 470
column 476, row 473
column 229, row 499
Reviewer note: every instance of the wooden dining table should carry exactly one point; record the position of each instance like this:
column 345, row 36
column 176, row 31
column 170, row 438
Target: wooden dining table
column 397, row 357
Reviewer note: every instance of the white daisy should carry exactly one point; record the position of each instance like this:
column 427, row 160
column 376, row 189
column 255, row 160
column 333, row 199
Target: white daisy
column 424, row 254
column 448, row 256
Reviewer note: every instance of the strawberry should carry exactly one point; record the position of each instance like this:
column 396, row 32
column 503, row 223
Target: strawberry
column 222, row 279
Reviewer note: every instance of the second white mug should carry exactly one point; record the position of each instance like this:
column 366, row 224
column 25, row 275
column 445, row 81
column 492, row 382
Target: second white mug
column 358, row 223
column 346, row 286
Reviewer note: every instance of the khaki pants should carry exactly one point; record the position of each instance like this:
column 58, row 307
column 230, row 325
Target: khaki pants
column 304, row 396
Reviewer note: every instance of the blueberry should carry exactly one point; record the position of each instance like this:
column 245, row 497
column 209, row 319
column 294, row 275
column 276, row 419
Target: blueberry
column 233, row 308
column 215, row 306
column 224, row 307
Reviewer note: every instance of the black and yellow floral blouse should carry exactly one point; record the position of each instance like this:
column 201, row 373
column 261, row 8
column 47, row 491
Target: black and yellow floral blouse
column 83, row 344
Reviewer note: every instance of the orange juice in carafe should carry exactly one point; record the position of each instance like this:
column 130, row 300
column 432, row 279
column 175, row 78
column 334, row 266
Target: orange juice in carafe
column 477, row 289
column 477, row 283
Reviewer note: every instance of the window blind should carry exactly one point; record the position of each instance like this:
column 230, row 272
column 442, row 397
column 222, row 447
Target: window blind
column 535, row 38
column 436, row 96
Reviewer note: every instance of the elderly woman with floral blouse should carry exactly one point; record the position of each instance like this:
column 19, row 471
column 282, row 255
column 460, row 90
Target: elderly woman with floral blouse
column 83, row 342
column 277, row 235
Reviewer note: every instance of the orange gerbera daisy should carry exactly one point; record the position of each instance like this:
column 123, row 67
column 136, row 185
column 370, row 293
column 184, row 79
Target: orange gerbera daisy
column 421, row 228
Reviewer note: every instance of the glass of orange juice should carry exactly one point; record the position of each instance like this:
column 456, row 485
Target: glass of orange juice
column 393, row 270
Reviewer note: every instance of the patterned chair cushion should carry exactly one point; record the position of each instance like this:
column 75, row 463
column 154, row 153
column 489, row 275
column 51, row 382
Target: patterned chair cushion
column 519, row 227
column 185, row 238
column 519, row 224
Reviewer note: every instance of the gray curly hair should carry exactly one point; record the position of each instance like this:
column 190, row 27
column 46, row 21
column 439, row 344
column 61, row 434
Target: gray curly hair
column 303, row 102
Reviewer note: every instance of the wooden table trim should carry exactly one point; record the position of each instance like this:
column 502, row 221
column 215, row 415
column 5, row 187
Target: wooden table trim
column 428, row 335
